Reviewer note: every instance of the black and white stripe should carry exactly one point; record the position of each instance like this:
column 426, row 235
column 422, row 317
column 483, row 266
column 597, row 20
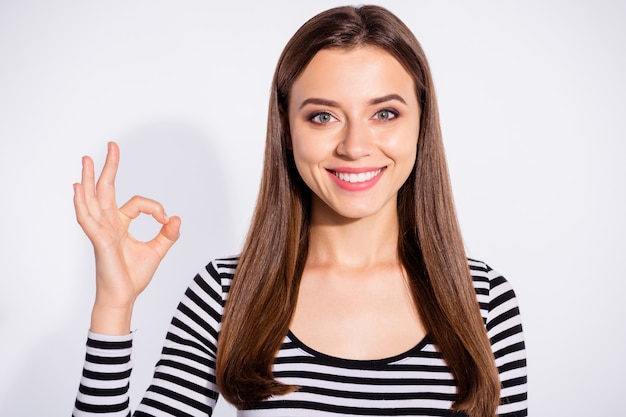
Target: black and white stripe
column 416, row 383
column 106, row 375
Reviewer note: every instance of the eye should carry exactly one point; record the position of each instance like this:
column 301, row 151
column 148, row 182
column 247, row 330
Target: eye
column 322, row 117
column 385, row 114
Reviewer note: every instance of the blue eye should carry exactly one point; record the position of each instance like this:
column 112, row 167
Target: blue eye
column 385, row 114
column 322, row 117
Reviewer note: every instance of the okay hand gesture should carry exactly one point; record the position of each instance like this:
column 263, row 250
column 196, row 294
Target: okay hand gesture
column 124, row 265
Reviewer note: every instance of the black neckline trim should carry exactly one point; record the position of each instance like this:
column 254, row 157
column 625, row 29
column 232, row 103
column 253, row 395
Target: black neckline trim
column 359, row 362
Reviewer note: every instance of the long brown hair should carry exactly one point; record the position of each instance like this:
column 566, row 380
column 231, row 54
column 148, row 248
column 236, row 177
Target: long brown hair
column 264, row 289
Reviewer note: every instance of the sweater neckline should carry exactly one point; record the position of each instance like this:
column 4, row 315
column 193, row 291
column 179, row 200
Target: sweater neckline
column 358, row 362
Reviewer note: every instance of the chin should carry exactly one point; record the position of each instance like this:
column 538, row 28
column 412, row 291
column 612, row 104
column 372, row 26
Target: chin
column 357, row 213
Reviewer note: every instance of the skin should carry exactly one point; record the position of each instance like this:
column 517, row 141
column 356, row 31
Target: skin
column 124, row 265
column 352, row 110
column 354, row 301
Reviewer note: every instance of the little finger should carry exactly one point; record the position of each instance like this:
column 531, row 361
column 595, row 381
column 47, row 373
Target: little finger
column 83, row 215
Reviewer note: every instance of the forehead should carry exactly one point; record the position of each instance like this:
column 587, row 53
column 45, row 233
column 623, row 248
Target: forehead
column 365, row 71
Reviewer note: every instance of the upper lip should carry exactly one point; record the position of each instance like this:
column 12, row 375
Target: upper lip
column 355, row 170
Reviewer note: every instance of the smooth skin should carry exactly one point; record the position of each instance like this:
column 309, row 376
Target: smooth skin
column 354, row 300
column 124, row 265
column 353, row 111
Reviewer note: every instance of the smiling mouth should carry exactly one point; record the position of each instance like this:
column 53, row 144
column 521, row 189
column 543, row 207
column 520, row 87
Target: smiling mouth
column 357, row 178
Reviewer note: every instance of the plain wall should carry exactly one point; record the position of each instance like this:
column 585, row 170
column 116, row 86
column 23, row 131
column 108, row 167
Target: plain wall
column 532, row 100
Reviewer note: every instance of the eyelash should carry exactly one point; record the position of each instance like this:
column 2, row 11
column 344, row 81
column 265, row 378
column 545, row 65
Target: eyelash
column 392, row 114
column 317, row 114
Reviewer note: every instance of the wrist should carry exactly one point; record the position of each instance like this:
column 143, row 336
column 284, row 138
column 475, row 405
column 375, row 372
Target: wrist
column 111, row 320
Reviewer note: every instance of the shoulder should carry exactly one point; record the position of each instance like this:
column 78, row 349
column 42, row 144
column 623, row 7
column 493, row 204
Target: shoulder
column 484, row 276
column 223, row 269
column 501, row 315
column 493, row 291
column 214, row 279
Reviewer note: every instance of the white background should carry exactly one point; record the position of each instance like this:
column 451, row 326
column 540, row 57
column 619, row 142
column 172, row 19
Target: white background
column 532, row 97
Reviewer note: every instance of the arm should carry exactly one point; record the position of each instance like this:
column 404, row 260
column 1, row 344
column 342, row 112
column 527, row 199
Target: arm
column 124, row 267
column 504, row 328
column 184, row 378
column 105, row 381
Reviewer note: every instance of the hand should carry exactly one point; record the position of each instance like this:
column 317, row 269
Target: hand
column 124, row 265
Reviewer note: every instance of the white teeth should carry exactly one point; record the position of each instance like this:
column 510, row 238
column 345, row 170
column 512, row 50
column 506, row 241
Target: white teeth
column 360, row 177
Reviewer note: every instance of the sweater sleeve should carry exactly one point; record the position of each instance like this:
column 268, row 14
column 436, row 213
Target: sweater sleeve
column 504, row 328
column 106, row 374
column 184, row 378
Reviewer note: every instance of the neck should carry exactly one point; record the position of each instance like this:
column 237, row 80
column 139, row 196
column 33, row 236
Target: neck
column 353, row 243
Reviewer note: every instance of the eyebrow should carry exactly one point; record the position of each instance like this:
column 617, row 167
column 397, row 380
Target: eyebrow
column 386, row 98
column 331, row 103
column 319, row 101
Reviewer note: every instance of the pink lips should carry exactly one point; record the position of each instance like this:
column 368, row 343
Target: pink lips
column 356, row 179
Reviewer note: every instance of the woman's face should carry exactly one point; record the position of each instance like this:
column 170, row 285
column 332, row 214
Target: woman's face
column 354, row 120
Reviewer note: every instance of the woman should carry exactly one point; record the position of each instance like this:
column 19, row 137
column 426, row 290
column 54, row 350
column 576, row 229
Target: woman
column 353, row 294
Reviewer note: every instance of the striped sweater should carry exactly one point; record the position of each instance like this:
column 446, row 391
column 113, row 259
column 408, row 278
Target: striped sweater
column 415, row 383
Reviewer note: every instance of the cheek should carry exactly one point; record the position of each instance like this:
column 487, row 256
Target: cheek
column 305, row 170
column 307, row 165
column 403, row 145
column 405, row 153
column 303, row 155
column 310, row 147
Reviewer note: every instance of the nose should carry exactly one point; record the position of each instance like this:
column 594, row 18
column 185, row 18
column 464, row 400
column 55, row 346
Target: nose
column 356, row 141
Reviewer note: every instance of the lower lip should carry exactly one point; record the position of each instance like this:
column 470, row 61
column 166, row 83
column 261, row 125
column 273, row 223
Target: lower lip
column 356, row 186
